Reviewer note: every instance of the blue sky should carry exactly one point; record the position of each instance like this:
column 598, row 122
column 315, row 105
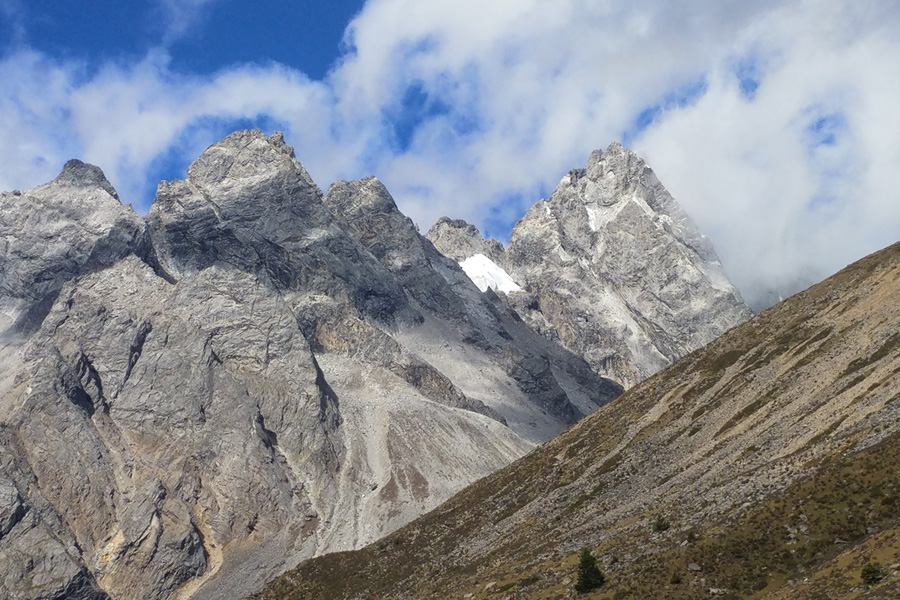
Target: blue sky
column 772, row 122
column 304, row 34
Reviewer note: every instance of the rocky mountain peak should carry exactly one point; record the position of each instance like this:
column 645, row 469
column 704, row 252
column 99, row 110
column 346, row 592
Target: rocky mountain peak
column 71, row 226
column 76, row 173
column 367, row 210
column 459, row 240
column 347, row 198
column 612, row 267
column 248, row 203
column 245, row 156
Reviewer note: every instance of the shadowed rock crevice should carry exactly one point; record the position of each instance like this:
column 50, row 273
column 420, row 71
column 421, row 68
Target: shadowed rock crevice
column 137, row 346
column 33, row 315
column 12, row 506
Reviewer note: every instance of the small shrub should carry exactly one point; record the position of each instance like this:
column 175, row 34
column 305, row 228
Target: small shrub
column 661, row 523
column 872, row 573
column 623, row 593
column 589, row 575
column 676, row 578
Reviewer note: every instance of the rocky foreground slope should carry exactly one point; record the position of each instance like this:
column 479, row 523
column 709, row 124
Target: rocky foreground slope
column 763, row 465
column 611, row 267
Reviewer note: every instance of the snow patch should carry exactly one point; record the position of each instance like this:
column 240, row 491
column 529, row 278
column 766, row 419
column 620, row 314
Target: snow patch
column 485, row 274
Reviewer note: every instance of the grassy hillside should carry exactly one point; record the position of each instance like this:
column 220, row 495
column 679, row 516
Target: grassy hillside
column 764, row 465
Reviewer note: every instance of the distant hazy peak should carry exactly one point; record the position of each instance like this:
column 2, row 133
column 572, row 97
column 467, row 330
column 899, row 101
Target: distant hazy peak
column 620, row 271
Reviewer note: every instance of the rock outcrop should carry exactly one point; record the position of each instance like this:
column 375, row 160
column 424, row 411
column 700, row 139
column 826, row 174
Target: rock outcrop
column 612, row 268
column 52, row 233
column 253, row 374
column 459, row 240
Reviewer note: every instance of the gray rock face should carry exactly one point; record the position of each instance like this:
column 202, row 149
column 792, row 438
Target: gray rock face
column 286, row 238
column 159, row 421
column 615, row 270
column 252, row 375
column 442, row 293
column 459, row 240
column 70, row 226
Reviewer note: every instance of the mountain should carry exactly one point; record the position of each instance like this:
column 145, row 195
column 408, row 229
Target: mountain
column 253, row 374
column 610, row 266
column 763, row 465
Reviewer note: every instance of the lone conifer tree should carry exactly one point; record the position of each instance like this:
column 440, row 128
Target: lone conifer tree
column 589, row 575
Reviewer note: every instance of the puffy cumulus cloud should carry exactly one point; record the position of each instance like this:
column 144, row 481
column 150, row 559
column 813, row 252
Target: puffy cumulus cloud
column 797, row 179
column 523, row 90
column 126, row 118
column 34, row 118
column 129, row 117
column 770, row 121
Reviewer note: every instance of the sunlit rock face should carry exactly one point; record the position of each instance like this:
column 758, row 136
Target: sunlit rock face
column 612, row 268
column 253, row 374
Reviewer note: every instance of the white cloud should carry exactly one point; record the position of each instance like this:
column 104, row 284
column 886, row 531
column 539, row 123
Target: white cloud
column 519, row 92
column 180, row 16
column 781, row 211
column 34, row 120
column 122, row 118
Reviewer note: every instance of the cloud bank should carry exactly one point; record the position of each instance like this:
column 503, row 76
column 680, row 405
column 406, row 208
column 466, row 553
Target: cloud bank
column 771, row 122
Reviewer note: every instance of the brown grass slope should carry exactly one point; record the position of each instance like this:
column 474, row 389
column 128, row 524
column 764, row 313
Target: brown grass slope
column 772, row 453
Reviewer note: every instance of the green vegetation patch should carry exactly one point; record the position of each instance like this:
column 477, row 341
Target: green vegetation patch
column 589, row 576
column 786, row 536
column 872, row 573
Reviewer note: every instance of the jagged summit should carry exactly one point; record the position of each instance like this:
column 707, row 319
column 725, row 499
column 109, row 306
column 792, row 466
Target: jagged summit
column 244, row 155
column 71, row 226
column 459, row 240
column 80, row 174
column 612, row 267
